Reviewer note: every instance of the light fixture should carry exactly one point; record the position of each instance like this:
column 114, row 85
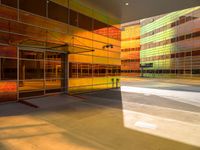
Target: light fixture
column 126, row 3
column 107, row 46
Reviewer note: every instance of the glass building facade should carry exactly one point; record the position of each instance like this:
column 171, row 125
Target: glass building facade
column 171, row 43
column 56, row 46
column 130, row 50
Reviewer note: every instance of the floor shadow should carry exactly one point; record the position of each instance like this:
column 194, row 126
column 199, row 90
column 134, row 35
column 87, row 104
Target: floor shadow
column 95, row 121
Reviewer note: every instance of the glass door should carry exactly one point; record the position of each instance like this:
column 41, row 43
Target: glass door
column 54, row 72
column 40, row 73
column 31, row 73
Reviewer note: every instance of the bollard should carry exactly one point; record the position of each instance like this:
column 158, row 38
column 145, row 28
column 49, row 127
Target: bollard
column 113, row 82
column 117, row 83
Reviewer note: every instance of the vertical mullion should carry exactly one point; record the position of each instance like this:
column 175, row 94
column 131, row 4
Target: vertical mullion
column 18, row 73
column 17, row 10
column 0, row 69
column 44, row 67
column 66, row 73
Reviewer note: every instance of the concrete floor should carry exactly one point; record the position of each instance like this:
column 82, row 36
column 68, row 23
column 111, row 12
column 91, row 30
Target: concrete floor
column 144, row 115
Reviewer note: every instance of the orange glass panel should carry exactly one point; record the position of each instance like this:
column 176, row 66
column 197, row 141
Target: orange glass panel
column 8, row 86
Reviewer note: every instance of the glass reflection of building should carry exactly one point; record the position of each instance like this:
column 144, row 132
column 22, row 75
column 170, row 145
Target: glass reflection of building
column 169, row 42
column 56, row 46
column 130, row 49
column 172, row 43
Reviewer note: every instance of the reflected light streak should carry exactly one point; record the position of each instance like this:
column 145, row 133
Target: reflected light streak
column 143, row 124
column 182, row 96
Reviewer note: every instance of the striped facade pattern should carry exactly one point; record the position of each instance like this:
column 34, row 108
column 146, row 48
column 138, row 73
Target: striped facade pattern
column 130, row 50
column 172, row 44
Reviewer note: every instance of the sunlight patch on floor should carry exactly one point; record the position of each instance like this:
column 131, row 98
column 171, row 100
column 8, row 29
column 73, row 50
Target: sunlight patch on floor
column 188, row 97
column 162, row 127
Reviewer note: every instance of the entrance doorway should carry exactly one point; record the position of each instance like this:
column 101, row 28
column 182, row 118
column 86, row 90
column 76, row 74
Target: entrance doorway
column 41, row 72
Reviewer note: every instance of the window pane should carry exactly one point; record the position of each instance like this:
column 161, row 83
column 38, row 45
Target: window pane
column 85, row 22
column 34, row 6
column 114, row 33
column 54, row 90
column 4, row 38
column 4, row 24
column 100, row 28
column 8, row 51
column 5, row 97
column 31, row 54
column 31, row 69
column 8, row 13
column 31, row 94
column 73, row 19
column 73, row 70
column 54, row 69
column 31, row 85
column 11, row 3
column 53, row 84
column 8, row 86
column 55, row 56
column 8, row 69
column 57, row 12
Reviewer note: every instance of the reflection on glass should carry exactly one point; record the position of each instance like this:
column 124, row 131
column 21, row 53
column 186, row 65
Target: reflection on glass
column 55, row 56
column 8, row 51
column 11, row 3
column 29, row 69
column 5, row 97
column 31, row 94
column 57, row 12
column 53, row 84
column 8, row 86
column 73, row 19
column 37, row 6
column 31, row 54
column 53, row 69
column 8, row 69
column 31, row 85
column 88, row 31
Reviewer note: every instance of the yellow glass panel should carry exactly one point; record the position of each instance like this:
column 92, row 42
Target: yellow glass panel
column 76, row 82
column 103, row 80
column 114, row 61
column 97, row 37
column 29, row 85
column 114, row 55
column 99, row 53
column 80, row 32
column 100, row 60
column 53, row 84
column 80, row 58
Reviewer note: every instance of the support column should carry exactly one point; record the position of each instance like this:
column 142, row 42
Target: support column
column 66, row 73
